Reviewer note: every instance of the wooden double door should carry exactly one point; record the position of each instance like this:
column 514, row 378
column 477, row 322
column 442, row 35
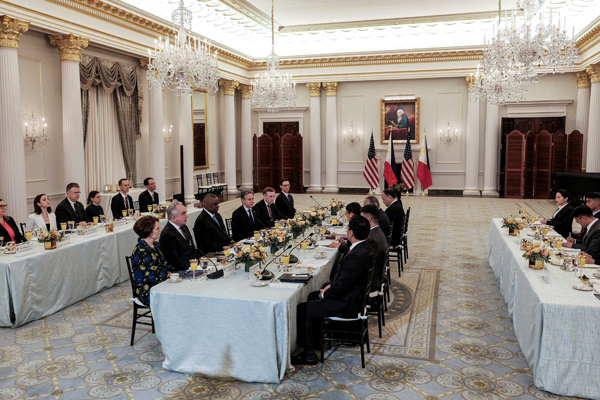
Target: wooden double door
column 533, row 149
column 277, row 155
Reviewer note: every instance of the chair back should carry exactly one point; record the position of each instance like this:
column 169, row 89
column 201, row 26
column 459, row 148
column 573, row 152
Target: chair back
column 128, row 259
column 389, row 236
column 208, row 179
column 363, row 312
column 406, row 217
column 199, row 180
column 215, row 177
column 228, row 223
column 23, row 226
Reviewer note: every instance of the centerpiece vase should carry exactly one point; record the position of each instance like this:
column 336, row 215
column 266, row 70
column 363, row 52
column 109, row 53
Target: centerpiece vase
column 536, row 264
column 513, row 232
column 49, row 245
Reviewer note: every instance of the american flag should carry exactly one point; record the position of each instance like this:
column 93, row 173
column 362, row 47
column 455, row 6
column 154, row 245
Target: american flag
column 371, row 173
column 407, row 174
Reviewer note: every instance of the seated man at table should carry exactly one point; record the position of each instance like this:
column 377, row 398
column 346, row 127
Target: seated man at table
column 593, row 202
column 70, row 209
column 384, row 221
column 378, row 243
column 285, row 201
column 121, row 201
column 209, row 229
column 176, row 242
column 395, row 212
column 266, row 211
column 342, row 244
column 243, row 221
column 149, row 196
column 342, row 298
column 590, row 240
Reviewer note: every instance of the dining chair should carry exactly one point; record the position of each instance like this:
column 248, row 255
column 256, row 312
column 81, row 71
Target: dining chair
column 137, row 306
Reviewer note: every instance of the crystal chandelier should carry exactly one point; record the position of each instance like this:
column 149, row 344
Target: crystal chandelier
column 32, row 137
column 518, row 55
column 272, row 90
column 186, row 65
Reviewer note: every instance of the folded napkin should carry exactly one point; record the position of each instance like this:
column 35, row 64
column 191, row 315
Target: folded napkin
column 326, row 248
column 285, row 285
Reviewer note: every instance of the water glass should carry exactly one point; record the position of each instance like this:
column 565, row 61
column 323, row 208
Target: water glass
column 1, row 241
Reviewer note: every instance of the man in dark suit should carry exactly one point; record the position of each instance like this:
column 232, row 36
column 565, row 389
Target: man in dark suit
column 384, row 221
column 342, row 244
column 593, row 202
column 209, row 229
column 176, row 242
column 266, row 211
column 590, row 241
column 243, row 221
column 148, row 197
column 343, row 297
column 121, row 201
column 285, row 201
column 378, row 243
column 395, row 213
column 70, row 209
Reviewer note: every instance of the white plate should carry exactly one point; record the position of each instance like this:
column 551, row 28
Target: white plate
column 9, row 252
column 259, row 283
column 177, row 281
column 583, row 288
column 320, row 257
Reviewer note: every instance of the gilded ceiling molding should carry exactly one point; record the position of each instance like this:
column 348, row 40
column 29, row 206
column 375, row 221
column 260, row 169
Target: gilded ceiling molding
column 588, row 38
column 69, row 46
column 11, row 30
column 228, row 86
column 246, row 90
column 470, row 83
column 330, row 88
column 314, row 88
column 583, row 79
column 594, row 71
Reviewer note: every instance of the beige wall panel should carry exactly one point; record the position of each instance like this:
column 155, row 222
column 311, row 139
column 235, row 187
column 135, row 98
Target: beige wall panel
column 353, row 113
column 449, row 113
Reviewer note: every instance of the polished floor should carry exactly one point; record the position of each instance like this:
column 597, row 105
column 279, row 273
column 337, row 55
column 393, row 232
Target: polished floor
column 447, row 335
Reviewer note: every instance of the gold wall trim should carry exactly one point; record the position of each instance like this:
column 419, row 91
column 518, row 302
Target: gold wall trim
column 589, row 37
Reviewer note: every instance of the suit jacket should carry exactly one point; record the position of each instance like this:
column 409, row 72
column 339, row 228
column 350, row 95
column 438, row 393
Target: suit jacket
column 176, row 249
column 384, row 222
column 117, row 205
column 395, row 213
column 261, row 212
column 65, row 212
column 379, row 246
column 345, row 295
column 4, row 233
column 284, row 206
column 591, row 241
column 241, row 225
column 209, row 235
column 562, row 221
column 146, row 200
column 35, row 221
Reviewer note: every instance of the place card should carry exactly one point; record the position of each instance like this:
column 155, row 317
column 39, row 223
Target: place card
column 228, row 269
column 23, row 248
column 252, row 270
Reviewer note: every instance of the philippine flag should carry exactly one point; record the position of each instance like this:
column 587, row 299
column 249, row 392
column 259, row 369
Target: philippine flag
column 389, row 168
column 423, row 171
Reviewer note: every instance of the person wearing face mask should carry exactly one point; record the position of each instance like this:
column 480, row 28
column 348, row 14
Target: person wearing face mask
column 8, row 227
column 42, row 218
column 561, row 219
column 94, row 209
column 148, row 264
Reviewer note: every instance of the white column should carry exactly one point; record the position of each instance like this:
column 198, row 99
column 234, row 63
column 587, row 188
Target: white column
column 472, row 154
column 186, row 139
column 246, row 140
column 13, row 189
column 583, row 108
column 70, row 48
column 492, row 147
column 156, row 140
column 229, row 150
column 331, row 139
column 593, row 160
column 314, row 154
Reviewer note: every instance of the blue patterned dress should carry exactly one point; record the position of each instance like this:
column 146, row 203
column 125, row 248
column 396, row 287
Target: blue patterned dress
column 149, row 269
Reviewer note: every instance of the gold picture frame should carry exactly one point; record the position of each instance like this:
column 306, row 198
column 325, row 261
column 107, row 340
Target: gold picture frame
column 400, row 118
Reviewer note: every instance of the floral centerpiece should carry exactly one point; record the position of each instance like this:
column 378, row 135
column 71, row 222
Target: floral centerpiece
column 537, row 256
column 250, row 255
column 315, row 217
column 512, row 224
column 297, row 226
column 335, row 206
column 50, row 239
column 526, row 244
column 160, row 211
column 277, row 239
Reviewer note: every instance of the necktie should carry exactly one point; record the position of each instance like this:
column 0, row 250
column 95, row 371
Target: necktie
column 250, row 216
column 76, row 213
column 270, row 215
column 186, row 234
column 291, row 200
column 126, row 203
column 215, row 218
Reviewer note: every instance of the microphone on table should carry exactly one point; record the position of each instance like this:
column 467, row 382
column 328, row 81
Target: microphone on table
column 213, row 275
column 262, row 223
column 316, row 201
column 268, row 275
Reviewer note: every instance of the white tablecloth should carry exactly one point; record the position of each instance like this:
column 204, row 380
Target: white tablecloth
column 107, row 197
column 228, row 329
column 43, row 282
column 558, row 328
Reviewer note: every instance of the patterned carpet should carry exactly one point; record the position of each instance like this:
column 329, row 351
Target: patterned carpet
column 447, row 333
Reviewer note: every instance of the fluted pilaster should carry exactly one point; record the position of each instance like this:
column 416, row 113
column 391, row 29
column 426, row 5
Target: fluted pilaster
column 315, row 185
column 229, row 150
column 331, row 139
column 156, row 140
column 246, row 140
column 492, row 144
column 472, row 153
column 582, row 116
column 593, row 157
column 186, row 139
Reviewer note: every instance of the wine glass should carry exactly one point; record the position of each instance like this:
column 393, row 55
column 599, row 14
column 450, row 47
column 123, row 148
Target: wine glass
column 149, row 208
column 226, row 251
column 130, row 212
column 124, row 212
column 256, row 235
column 63, row 226
column 1, row 241
column 303, row 246
column 95, row 220
column 103, row 218
column 28, row 234
column 286, row 260
column 193, row 267
column 71, row 225
column 205, row 267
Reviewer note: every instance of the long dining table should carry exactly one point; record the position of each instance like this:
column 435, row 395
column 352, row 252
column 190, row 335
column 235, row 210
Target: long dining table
column 41, row 282
column 557, row 327
column 226, row 328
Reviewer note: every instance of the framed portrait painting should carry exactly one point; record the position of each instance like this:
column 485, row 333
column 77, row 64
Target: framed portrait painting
column 400, row 119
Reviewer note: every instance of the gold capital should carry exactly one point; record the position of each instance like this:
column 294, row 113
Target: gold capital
column 144, row 63
column 69, row 46
column 330, row 88
column 246, row 91
column 470, row 82
column 11, row 30
column 594, row 72
column 583, row 79
column 228, row 86
column 314, row 88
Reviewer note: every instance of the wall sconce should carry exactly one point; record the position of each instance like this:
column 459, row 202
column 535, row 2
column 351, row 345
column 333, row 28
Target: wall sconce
column 32, row 136
column 352, row 136
column 449, row 137
column 169, row 137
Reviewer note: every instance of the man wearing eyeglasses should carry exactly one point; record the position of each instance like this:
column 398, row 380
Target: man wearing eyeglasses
column 285, row 201
column 590, row 241
column 70, row 209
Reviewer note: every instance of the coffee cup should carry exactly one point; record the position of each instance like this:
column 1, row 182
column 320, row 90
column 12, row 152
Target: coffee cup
column 321, row 254
column 174, row 277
